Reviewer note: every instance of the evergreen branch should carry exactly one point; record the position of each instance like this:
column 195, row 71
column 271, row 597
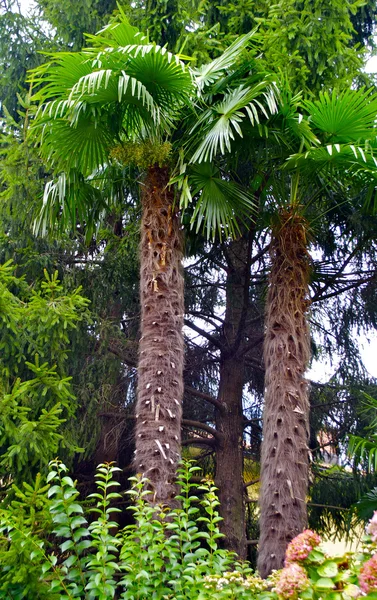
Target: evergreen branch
column 352, row 286
column 204, row 334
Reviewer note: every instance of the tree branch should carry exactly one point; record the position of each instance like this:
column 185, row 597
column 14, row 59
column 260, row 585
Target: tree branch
column 206, row 317
column 338, row 272
column 249, row 483
column 318, row 297
column 117, row 415
column 327, row 506
column 126, row 352
column 204, row 334
column 203, row 396
column 200, row 441
column 198, row 425
column 252, row 542
column 259, row 340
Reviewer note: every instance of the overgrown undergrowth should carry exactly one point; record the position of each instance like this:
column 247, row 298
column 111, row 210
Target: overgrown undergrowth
column 56, row 546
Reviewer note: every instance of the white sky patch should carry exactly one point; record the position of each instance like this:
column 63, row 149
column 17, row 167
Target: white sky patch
column 368, row 351
column 26, row 6
column 371, row 66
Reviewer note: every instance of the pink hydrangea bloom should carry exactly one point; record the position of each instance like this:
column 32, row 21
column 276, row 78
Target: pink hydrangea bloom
column 372, row 527
column 368, row 575
column 292, row 581
column 301, row 546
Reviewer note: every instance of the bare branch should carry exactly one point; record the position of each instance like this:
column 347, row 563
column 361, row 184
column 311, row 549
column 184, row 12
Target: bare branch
column 203, row 396
column 199, row 441
column 318, row 297
column 204, row 334
column 252, row 482
column 198, row 425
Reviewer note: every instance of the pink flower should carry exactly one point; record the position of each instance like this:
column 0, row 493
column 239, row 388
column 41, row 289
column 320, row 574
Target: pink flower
column 292, row 581
column 301, row 546
column 368, row 575
column 372, row 527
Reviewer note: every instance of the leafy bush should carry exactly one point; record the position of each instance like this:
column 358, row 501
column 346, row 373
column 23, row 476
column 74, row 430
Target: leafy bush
column 50, row 548
column 55, row 546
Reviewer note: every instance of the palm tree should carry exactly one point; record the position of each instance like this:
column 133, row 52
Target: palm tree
column 237, row 97
column 117, row 102
column 343, row 126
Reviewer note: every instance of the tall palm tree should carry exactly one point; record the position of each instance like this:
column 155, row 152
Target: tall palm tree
column 231, row 101
column 118, row 102
column 345, row 129
column 112, row 102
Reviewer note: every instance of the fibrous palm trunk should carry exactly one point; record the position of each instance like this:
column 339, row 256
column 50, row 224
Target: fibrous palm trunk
column 284, row 461
column 160, row 371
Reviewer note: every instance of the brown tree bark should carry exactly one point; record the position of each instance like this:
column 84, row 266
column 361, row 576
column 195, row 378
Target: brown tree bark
column 160, row 370
column 284, row 461
column 229, row 419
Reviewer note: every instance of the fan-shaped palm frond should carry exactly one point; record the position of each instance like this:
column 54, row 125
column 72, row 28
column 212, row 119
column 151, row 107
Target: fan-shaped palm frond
column 91, row 99
column 211, row 72
column 72, row 199
column 220, row 205
column 84, row 146
column 346, row 117
column 67, row 201
column 58, row 76
column 289, row 126
column 350, row 119
column 366, row 506
column 117, row 33
column 347, row 156
column 219, row 124
column 364, row 449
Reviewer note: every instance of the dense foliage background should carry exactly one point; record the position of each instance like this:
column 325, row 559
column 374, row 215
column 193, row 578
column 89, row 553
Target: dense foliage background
column 69, row 300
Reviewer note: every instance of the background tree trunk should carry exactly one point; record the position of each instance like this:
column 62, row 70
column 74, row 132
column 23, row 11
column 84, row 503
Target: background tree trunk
column 229, row 420
column 160, row 371
column 284, row 461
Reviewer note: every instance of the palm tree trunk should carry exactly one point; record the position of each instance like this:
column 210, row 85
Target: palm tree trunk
column 160, row 371
column 284, row 461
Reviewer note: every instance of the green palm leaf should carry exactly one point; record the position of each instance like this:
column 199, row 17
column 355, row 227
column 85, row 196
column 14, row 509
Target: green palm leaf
column 70, row 200
column 346, row 117
column 60, row 74
column 208, row 74
column 117, row 34
column 346, row 128
column 83, row 145
column 364, row 449
column 220, row 205
column 355, row 159
column 219, row 125
column 91, row 99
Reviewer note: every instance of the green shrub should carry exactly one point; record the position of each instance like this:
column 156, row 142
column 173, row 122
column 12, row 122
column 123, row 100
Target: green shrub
column 55, row 546
column 50, row 548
